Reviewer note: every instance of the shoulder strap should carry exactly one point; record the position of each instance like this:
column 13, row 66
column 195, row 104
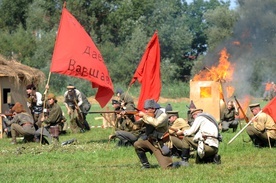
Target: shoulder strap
column 210, row 118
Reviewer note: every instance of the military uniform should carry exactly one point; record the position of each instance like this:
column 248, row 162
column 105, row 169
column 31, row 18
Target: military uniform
column 263, row 128
column 53, row 118
column 127, row 131
column 203, row 136
column 228, row 119
column 22, row 123
column 77, row 99
column 152, row 141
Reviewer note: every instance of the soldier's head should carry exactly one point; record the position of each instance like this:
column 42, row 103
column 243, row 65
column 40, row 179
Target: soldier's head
column 115, row 103
column 230, row 104
column 172, row 116
column 70, row 89
column 18, row 108
column 150, row 105
column 195, row 112
column 30, row 88
column 119, row 92
column 255, row 108
column 51, row 98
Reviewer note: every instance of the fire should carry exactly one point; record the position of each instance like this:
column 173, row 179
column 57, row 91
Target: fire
column 222, row 73
column 244, row 105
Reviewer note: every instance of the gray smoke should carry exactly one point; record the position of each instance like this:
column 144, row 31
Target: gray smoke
column 255, row 56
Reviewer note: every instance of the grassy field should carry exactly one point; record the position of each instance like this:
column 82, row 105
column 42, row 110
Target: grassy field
column 93, row 159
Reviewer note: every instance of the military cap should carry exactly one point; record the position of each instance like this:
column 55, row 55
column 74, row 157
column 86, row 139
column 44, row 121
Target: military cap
column 168, row 107
column 192, row 105
column 172, row 113
column 115, row 102
column 70, row 87
column 18, row 108
column 157, row 106
column 251, row 106
column 195, row 111
column 119, row 90
column 51, row 96
column 150, row 103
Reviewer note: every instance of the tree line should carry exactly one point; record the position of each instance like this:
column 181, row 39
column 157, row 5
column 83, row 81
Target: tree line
column 121, row 30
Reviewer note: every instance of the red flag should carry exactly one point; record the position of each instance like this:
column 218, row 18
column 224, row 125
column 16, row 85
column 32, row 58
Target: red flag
column 75, row 54
column 148, row 73
column 270, row 109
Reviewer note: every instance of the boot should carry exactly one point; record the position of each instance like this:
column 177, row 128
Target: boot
column 216, row 159
column 185, row 155
column 143, row 159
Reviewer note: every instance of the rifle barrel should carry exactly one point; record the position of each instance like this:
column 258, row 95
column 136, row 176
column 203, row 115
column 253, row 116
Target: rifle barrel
column 116, row 111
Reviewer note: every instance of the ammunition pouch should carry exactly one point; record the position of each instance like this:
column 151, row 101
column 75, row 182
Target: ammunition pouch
column 37, row 109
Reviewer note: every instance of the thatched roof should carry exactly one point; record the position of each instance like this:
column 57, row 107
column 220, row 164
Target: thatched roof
column 20, row 72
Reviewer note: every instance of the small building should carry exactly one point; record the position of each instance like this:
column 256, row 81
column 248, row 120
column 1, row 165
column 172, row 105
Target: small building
column 14, row 77
column 208, row 95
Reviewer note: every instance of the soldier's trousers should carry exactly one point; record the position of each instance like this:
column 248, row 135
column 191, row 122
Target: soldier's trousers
column 146, row 146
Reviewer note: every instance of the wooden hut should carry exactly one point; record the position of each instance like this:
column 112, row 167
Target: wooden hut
column 14, row 77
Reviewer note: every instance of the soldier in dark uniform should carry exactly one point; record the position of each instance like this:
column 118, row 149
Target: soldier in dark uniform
column 126, row 100
column 125, row 129
column 22, row 123
column 228, row 118
column 76, row 101
column 152, row 141
column 52, row 119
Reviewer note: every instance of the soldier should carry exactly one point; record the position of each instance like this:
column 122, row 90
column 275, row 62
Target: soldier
column 34, row 102
column 126, row 100
column 125, row 129
column 228, row 118
column 152, row 141
column 52, row 119
column 203, row 136
column 176, row 124
column 76, row 101
column 263, row 129
column 22, row 123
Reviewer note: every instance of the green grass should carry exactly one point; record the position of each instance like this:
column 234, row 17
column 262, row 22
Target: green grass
column 93, row 159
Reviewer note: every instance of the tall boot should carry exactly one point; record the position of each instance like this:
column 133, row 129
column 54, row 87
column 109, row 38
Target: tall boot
column 143, row 159
column 185, row 155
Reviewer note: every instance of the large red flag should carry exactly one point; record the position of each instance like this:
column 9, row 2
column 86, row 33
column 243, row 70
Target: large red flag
column 75, row 54
column 270, row 109
column 148, row 73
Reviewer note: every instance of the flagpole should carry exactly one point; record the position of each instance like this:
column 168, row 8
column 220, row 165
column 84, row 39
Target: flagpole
column 244, row 128
column 44, row 105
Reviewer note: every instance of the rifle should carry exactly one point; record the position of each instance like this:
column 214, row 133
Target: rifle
column 176, row 130
column 8, row 114
column 134, row 112
column 243, row 113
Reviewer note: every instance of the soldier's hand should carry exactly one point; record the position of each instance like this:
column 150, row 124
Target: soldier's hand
column 179, row 133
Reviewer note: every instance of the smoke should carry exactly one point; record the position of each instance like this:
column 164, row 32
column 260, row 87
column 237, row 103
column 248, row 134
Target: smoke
column 252, row 47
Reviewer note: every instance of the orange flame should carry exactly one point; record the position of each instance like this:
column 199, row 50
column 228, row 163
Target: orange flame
column 244, row 105
column 223, row 72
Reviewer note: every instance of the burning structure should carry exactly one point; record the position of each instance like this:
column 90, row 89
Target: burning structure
column 211, row 88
